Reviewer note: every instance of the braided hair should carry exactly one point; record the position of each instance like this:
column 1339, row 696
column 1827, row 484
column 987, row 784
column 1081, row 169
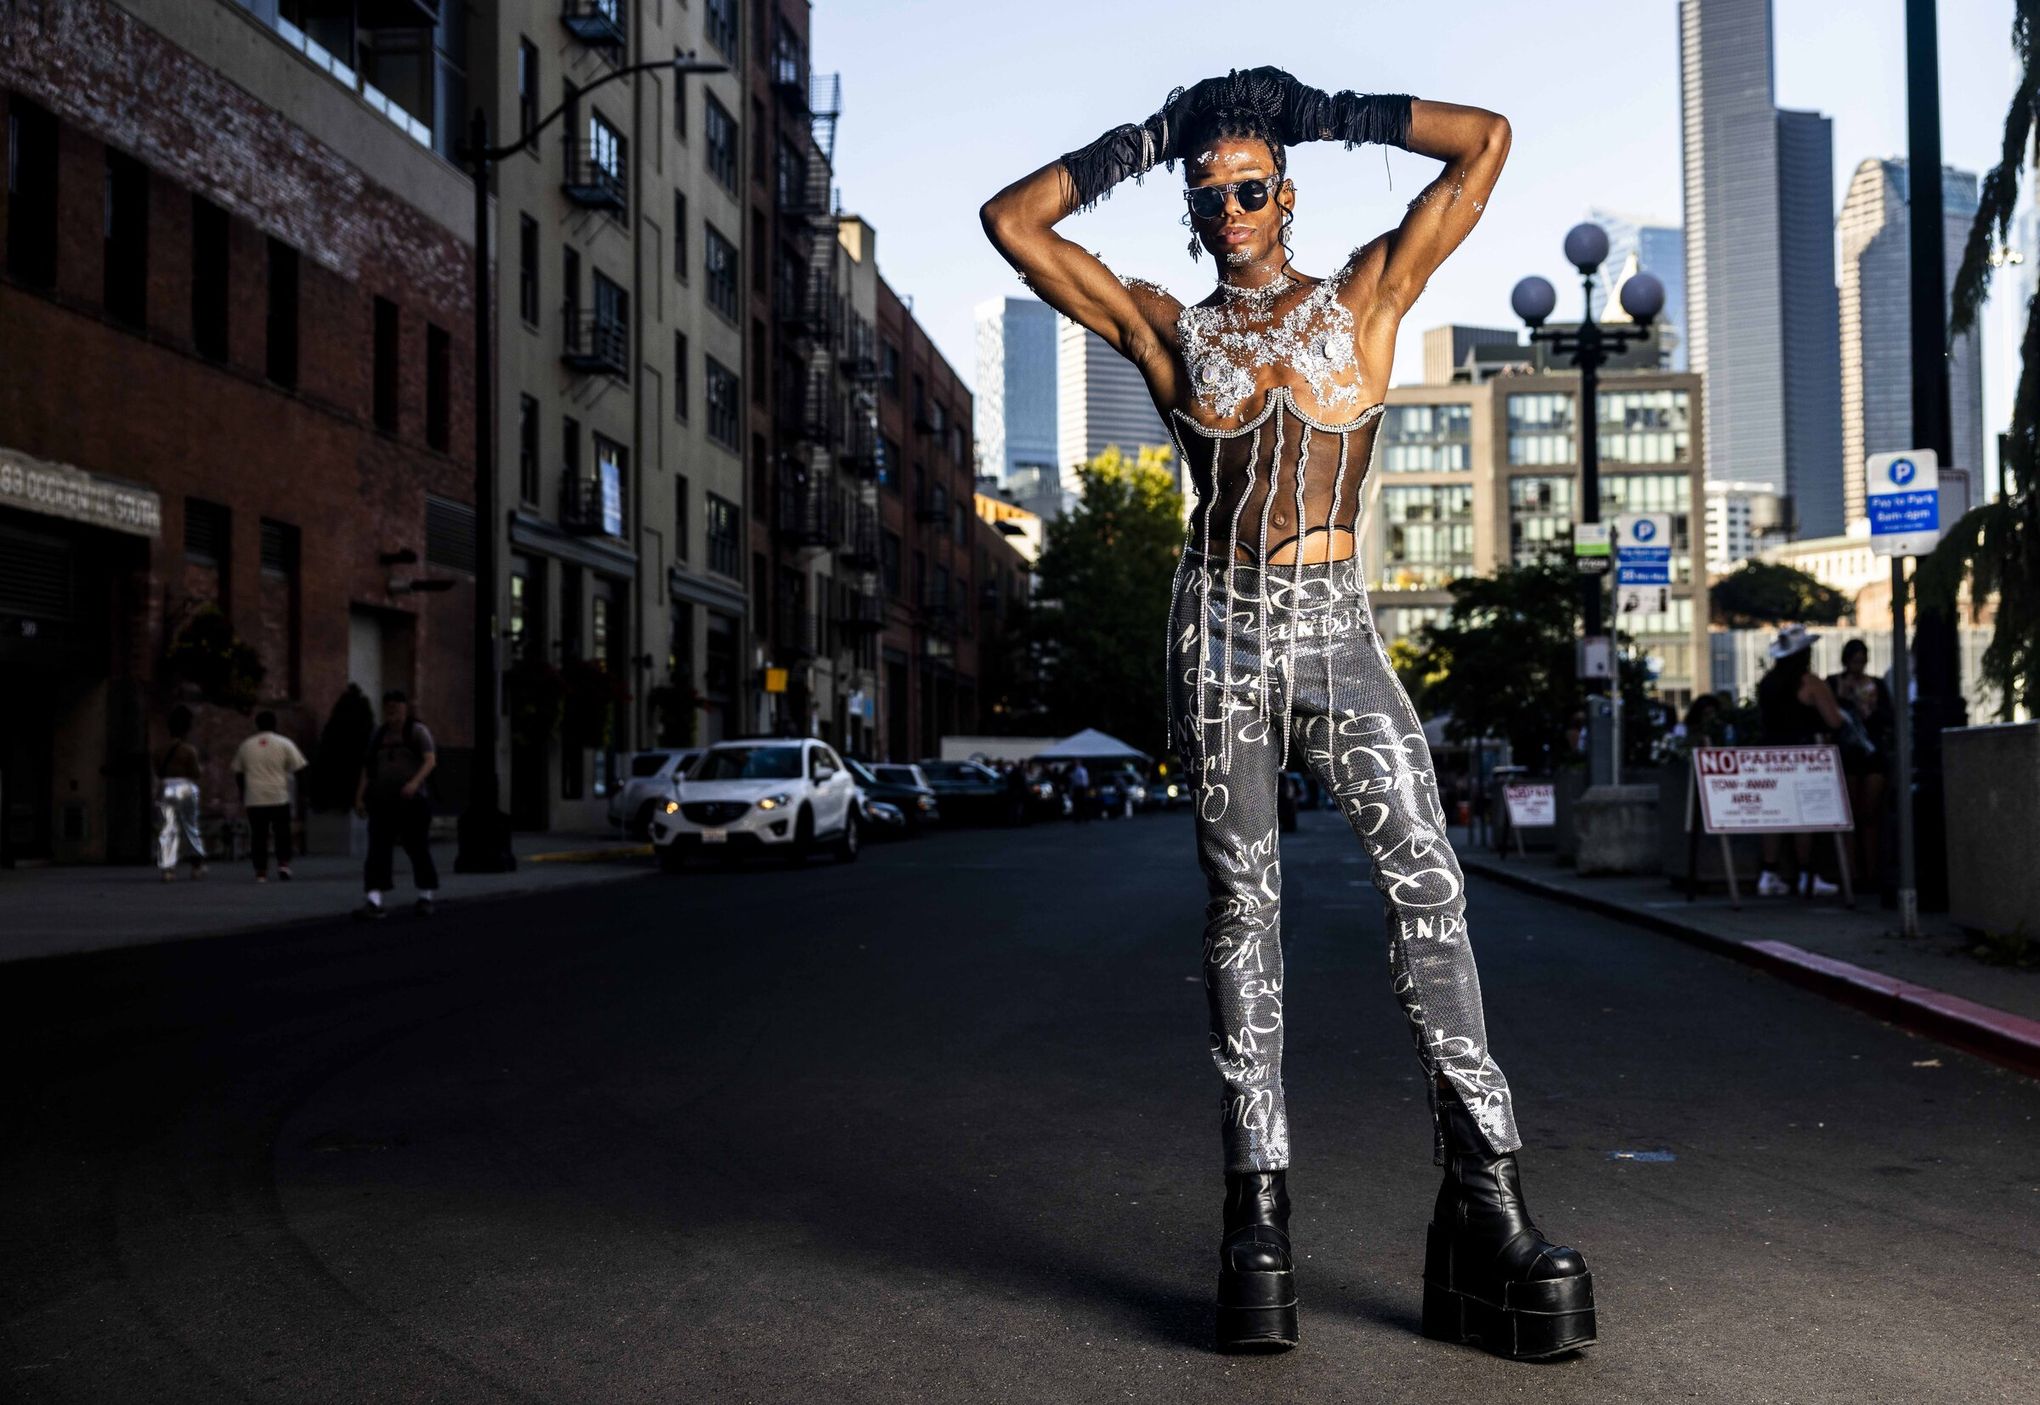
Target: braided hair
column 1245, row 105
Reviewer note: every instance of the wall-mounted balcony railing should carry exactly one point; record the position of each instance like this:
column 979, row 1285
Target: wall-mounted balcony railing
column 863, row 613
column 596, row 22
column 596, row 344
column 591, row 184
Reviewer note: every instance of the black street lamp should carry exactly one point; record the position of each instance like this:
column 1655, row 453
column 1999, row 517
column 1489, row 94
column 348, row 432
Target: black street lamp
column 1590, row 345
column 484, row 828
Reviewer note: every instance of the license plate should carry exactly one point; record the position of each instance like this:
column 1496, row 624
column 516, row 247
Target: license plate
column 715, row 836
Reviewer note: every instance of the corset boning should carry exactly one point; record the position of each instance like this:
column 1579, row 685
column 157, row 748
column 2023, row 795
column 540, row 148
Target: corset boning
column 1279, row 477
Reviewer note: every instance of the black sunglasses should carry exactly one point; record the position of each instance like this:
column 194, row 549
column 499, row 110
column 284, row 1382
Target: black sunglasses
column 1207, row 202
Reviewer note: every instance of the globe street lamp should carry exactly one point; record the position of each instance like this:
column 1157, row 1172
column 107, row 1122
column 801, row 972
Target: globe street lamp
column 1590, row 345
column 484, row 828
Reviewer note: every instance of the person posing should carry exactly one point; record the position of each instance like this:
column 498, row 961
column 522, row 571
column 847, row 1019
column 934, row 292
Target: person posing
column 392, row 794
column 1272, row 386
column 177, row 797
column 263, row 766
column 1868, row 771
column 1796, row 707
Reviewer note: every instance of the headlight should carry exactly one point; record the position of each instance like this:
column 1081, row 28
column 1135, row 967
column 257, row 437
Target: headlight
column 926, row 802
column 672, row 807
column 774, row 802
column 1172, row 790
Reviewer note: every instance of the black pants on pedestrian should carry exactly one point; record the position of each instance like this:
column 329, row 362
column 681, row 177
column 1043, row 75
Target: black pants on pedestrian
column 405, row 823
column 263, row 822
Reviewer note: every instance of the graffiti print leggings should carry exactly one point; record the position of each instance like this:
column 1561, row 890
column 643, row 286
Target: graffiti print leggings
column 1249, row 670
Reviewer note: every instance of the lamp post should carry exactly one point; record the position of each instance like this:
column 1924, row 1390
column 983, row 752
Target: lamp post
column 1590, row 345
column 484, row 828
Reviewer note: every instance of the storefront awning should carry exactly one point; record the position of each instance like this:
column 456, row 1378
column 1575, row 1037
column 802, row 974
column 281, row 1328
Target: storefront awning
column 59, row 490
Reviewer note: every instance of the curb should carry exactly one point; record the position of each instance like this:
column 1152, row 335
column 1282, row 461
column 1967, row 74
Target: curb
column 635, row 851
column 1997, row 1035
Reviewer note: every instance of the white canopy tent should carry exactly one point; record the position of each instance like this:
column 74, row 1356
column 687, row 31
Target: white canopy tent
column 1092, row 745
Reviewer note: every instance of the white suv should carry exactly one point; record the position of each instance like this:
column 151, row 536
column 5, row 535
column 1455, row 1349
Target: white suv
column 779, row 794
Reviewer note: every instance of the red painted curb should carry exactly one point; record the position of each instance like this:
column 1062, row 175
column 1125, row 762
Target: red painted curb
column 1998, row 1035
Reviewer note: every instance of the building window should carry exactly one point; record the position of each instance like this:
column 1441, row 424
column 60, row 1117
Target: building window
column 683, row 375
column 1644, row 426
column 612, row 319
column 725, row 555
column 680, row 235
column 527, row 90
column 208, row 278
column 527, row 451
column 721, row 130
column 520, row 612
column 31, row 193
column 438, row 386
column 680, row 524
column 1540, row 517
column 385, row 386
column 527, row 269
column 208, row 533
column 127, row 239
column 1428, row 536
column 889, row 561
column 449, row 534
column 889, row 368
column 282, row 326
column 719, row 266
column 1427, row 439
column 281, row 599
column 719, row 23
column 889, row 463
column 610, row 461
column 570, row 448
column 605, row 149
column 723, row 404
column 679, row 99
column 1541, row 429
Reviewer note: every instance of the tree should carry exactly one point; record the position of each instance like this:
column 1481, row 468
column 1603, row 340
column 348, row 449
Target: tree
column 1503, row 663
column 1099, row 625
column 1996, row 545
column 1762, row 593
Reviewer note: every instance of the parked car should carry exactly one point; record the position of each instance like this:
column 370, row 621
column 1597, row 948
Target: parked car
column 882, row 818
column 781, row 795
column 1168, row 792
column 1121, row 791
column 967, row 791
column 898, row 785
column 649, row 783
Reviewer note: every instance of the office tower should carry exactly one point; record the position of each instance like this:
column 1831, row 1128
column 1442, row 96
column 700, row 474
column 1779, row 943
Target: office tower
column 1101, row 399
column 1876, row 324
column 1016, row 383
column 1814, row 468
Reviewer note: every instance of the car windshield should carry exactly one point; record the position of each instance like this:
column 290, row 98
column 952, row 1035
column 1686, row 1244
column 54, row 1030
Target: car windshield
column 748, row 763
column 953, row 771
column 897, row 775
column 861, row 771
column 648, row 763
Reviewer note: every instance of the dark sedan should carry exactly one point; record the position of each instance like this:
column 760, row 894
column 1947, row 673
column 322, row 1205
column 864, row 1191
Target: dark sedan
column 968, row 792
column 897, row 785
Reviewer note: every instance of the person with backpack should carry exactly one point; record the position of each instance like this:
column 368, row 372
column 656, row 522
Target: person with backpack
column 263, row 766
column 392, row 793
column 177, row 796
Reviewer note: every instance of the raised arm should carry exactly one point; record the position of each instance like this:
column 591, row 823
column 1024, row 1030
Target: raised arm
column 1387, row 274
column 1020, row 221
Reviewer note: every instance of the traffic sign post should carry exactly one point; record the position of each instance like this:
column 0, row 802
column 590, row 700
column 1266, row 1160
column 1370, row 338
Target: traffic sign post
column 1903, row 495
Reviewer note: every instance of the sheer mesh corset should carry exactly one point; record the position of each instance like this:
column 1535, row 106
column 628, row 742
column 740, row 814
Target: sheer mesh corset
column 1284, row 481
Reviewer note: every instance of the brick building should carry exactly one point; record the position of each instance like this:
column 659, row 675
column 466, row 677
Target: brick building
column 235, row 302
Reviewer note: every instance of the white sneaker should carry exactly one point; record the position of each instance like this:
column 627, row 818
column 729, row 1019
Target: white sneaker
column 1770, row 885
column 1812, row 885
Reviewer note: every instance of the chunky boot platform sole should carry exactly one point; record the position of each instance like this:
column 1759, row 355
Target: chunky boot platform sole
column 1256, row 1310
column 1542, row 1317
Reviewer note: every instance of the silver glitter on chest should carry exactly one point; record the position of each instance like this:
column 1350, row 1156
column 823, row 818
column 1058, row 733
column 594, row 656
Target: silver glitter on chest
column 1225, row 344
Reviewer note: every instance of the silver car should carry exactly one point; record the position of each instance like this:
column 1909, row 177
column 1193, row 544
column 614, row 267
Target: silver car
column 652, row 779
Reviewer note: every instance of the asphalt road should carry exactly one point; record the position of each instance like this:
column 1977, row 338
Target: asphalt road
column 941, row 1126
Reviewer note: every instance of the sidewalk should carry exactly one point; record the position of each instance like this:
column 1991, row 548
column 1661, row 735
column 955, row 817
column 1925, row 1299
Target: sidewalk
column 64, row 910
column 1927, row 984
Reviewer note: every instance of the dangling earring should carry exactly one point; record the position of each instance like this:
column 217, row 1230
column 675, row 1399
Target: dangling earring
column 1196, row 249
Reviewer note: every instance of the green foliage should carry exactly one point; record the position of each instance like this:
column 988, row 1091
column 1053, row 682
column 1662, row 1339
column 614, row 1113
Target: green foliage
column 1503, row 663
column 1761, row 593
column 1414, row 672
column 1997, row 546
column 207, row 654
column 1096, row 633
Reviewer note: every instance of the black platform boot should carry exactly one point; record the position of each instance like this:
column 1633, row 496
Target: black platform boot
column 1489, row 1275
column 1256, row 1279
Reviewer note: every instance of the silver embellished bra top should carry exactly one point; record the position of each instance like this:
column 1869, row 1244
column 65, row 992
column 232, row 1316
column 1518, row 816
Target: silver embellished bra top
column 1284, row 476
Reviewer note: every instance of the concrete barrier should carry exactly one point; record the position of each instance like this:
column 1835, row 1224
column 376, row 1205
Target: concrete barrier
column 1616, row 829
column 1992, row 778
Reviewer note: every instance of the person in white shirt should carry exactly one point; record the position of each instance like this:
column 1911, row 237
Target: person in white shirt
column 263, row 766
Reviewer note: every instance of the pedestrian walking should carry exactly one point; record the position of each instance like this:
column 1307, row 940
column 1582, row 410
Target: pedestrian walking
column 1867, row 767
column 1080, row 791
column 263, row 766
column 1796, row 708
column 1270, row 386
column 392, row 793
column 177, row 797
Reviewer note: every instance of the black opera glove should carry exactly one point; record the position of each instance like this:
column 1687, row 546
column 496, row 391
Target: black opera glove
column 1312, row 114
column 1130, row 149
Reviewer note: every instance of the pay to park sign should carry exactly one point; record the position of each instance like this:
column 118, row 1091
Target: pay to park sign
column 1788, row 789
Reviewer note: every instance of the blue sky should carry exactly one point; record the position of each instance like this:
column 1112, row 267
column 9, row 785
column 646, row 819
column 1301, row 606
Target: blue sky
column 946, row 101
